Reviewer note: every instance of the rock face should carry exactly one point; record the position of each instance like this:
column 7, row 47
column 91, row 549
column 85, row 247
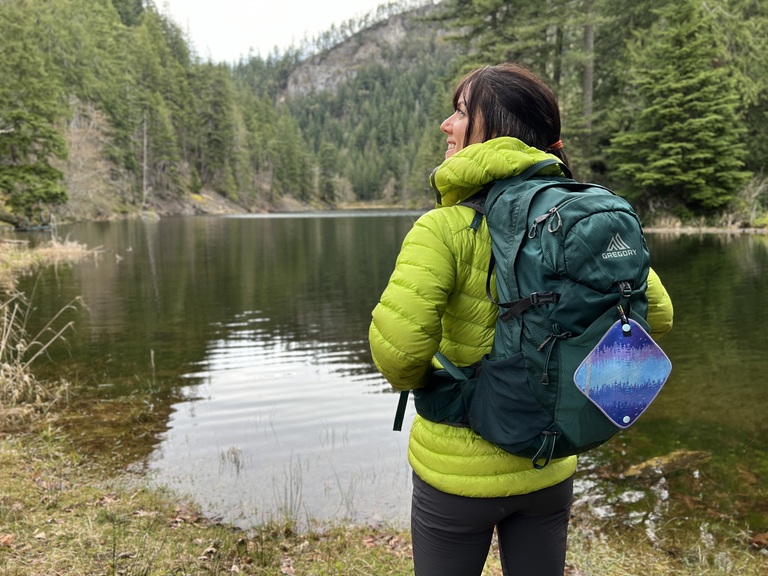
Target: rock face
column 326, row 71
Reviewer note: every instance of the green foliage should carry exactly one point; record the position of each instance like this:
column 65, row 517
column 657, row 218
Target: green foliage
column 291, row 173
column 673, row 91
column 328, row 161
column 31, row 110
column 743, row 26
column 537, row 35
column 665, row 86
column 683, row 144
column 377, row 119
column 129, row 10
column 214, row 128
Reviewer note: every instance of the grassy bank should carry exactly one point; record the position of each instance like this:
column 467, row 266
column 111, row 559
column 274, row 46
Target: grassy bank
column 65, row 513
column 60, row 514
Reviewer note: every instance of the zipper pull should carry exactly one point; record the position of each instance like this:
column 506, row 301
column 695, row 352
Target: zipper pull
column 554, row 212
column 538, row 220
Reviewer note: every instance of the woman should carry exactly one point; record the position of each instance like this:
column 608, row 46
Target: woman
column 505, row 120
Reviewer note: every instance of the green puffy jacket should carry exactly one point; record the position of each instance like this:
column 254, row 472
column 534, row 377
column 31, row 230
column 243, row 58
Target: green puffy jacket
column 436, row 299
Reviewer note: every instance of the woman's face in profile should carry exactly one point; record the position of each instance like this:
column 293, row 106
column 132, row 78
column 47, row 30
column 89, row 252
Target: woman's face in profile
column 455, row 126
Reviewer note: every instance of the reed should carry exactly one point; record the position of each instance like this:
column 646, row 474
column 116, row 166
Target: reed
column 20, row 391
column 18, row 259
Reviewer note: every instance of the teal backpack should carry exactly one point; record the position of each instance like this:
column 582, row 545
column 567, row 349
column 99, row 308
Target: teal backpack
column 571, row 362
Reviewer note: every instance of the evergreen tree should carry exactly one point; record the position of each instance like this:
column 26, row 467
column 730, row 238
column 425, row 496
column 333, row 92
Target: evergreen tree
column 744, row 26
column 292, row 173
column 673, row 96
column 683, row 144
column 31, row 108
column 129, row 10
column 328, row 167
column 215, row 126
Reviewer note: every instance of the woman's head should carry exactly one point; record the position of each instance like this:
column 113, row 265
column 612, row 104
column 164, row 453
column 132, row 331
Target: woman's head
column 504, row 100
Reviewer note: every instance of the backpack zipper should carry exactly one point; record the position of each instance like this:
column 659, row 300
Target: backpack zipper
column 552, row 212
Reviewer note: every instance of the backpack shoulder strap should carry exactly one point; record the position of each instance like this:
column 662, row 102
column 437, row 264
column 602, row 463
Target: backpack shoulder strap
column 510, row 222
column 533, row 170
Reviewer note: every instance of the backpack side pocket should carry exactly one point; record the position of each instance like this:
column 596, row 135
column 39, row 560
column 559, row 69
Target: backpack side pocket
column 503, row 409
column 444, row 399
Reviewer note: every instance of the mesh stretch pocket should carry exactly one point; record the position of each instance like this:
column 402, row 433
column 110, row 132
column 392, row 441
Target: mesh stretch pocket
column 443, row 400
column 503, row 409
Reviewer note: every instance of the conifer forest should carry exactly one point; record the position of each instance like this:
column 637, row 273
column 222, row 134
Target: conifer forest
column 106, row 108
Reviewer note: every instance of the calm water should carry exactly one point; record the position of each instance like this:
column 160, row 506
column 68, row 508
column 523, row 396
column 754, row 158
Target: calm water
column 228, row 358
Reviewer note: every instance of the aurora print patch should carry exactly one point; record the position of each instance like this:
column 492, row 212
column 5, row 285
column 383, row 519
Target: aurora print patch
column 623, row 373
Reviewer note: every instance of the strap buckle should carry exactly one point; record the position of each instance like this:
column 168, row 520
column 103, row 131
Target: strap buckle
column 535, row 299
column 540, row 298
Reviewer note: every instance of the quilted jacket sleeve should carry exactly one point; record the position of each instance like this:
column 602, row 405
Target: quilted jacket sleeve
column 660, row 310
column 406, row 331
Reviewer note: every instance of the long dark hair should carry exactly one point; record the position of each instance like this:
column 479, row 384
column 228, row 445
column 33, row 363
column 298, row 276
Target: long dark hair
column 512, row 101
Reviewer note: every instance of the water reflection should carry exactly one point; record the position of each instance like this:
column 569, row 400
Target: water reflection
column 285, row 428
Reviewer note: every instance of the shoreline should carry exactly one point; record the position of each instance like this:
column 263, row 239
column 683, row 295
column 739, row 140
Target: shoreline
column 707, row 230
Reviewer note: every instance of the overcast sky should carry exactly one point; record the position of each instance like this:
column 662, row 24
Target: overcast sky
column 225, row 30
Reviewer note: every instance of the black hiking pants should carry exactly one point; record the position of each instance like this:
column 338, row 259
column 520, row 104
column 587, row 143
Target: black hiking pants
column 452, row 534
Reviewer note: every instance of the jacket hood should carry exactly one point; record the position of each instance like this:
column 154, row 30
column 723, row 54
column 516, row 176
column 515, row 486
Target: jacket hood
column 466, row 172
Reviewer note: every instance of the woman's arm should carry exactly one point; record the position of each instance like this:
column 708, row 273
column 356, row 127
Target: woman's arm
column 660, row 310
column 406, row 327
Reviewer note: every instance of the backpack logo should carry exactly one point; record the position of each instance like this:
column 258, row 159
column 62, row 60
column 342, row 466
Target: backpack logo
column 617, row 248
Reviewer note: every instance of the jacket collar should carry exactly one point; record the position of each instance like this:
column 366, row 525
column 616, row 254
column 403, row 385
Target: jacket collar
column 466, row 172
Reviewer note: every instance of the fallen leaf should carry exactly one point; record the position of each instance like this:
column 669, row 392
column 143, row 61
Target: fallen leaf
column 209, row 552
column 6, row 540
column 748, row 476
column 286, row 567
column 759, row 540
column 185, row 514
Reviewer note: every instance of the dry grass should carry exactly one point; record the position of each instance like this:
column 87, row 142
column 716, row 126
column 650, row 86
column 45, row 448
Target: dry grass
column 719, row 551
column 21, row 394
column 18, row 259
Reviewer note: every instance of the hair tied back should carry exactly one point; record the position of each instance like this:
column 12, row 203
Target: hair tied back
column 556, row 146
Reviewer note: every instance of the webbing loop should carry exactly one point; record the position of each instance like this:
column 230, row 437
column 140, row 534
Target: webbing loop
column 400, row 412
column 546, row 450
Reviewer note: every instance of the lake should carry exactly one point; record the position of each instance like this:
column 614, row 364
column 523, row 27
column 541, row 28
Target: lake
column 227, row 358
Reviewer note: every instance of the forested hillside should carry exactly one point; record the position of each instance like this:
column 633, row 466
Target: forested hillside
column 107, row 109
